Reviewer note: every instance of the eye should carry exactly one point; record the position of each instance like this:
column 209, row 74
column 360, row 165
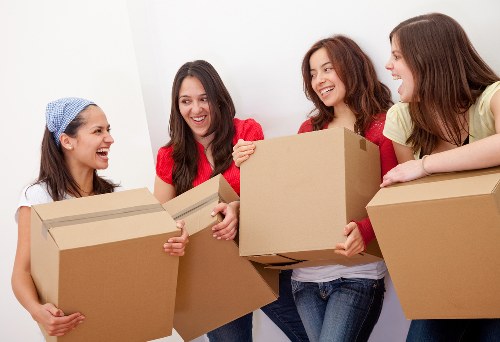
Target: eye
column 313, row 76
column 204, row 99
column 328, row 69
column 185, row 102
column 98, row 131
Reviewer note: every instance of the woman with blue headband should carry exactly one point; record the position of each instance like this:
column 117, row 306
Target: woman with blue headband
column 75, row 145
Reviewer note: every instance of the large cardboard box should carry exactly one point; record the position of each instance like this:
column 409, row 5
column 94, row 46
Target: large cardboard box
column 440, row 238
column 103, row 256
column 299, row 192
column 215, row 285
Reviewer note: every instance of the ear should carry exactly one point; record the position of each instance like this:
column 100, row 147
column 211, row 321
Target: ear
column 65, row 141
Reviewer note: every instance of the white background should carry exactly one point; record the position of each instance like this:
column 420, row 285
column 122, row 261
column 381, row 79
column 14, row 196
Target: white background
column 124, row 55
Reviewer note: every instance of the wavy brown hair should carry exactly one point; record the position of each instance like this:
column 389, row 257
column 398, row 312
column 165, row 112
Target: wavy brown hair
column 365, row 95
column 222, row 112
column 449, row 76
column 54, row 170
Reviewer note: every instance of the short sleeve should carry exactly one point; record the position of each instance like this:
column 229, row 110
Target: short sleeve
column 33, row 194
column 306, row 127
column 165, row 164
column 248, row 130
column 398, row 124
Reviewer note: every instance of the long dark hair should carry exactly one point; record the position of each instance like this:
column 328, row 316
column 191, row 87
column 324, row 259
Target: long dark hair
column 365, row 95
column 449, row 76
column 54, row 170
column 222, row 112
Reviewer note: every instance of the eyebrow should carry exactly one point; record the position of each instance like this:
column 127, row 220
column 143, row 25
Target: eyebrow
column 322, row 65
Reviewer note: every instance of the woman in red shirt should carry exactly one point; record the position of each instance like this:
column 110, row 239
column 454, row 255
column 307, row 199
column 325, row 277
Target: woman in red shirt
column 203, row 131
column 341, row 303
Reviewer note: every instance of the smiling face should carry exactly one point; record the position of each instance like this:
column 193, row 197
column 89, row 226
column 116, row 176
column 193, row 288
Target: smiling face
column 194, row 106
column 401, row 71
column 89, row 148
column 324, row 79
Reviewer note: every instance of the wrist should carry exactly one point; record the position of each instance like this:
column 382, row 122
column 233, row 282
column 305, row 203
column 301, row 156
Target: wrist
column 422, row 164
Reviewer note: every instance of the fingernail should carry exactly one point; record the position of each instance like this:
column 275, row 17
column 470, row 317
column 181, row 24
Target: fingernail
column 215, row 235
column 169, row 240
column 212, row 213
column 219, row 238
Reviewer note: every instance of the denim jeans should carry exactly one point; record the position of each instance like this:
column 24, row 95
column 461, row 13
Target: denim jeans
column 451, row 330
column 282, row 312
column 339, row 310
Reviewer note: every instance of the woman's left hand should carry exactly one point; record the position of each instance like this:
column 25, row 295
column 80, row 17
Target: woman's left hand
column 354, row 243
column 228, row 228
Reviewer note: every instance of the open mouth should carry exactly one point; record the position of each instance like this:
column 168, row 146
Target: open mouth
column 103, row 153
column 326, row 90
column 199, row 119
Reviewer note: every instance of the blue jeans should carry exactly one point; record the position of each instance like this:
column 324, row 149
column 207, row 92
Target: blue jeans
column 282, row 312
column 339, row 310
column 450, row 330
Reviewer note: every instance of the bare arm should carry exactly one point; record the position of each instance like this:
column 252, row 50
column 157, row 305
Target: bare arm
column 163, row 191
column 51, row 318
column 477, row 155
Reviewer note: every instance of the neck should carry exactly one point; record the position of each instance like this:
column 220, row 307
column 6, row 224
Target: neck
column 84, row 178
column 344, row 117
column 205, row 141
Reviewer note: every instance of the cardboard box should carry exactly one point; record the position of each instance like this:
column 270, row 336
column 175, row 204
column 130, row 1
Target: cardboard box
column 215, row 285
column 103, row 256
column 299, row 192
column 440, row 238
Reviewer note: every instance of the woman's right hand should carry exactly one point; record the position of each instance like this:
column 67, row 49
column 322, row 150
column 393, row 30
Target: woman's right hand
column 242, row 151
column 176, row 245
column 53, row 320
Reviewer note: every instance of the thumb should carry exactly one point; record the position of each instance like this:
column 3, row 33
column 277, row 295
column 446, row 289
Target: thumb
column 349, row 228
column 54, row 311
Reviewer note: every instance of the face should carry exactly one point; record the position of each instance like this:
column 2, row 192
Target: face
column 324, row 79
column 400, row 71
column 90, row 147
column 194, row 106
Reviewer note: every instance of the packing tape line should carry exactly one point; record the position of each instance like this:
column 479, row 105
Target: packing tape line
column 195, row 207
column 105, row 215
column 296, row 260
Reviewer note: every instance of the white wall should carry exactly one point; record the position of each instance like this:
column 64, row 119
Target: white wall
column 257, row 47
column 56, row 48
column 52, row 49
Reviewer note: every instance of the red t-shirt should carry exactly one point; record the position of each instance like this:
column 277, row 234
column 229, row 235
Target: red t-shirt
column 388, row 160
column 249, row 130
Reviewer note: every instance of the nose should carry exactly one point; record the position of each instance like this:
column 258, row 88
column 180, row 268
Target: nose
column 196, row 107
column 389, row 66
column 109, row 139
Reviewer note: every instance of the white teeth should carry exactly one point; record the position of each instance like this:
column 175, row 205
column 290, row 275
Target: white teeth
column 101, row 150
column 199, row 118
column 396, row 77
column 326, row 90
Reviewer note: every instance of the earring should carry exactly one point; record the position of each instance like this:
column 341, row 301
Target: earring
column 70, row 147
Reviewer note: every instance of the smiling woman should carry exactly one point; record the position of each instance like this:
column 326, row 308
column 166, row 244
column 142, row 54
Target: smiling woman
column 203, row 131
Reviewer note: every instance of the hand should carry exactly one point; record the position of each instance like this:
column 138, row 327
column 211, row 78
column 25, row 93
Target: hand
column 405, row 172
column 354, row 243
column 177, row 245
column 54, row 322
column 228, row 228
column 242, row 151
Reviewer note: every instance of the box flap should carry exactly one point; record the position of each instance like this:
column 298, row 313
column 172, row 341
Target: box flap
column 55, row 213
column 122, row 228
column 195, row 205
column 437, row 187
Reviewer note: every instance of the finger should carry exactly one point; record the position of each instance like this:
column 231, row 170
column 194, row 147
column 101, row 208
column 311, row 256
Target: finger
column 340, row 252
column 225, row 233
column 349, row 228
column 180, row 224
column 219, row 208
column 240, row 160
column 241, row 143
column 54, row 311
column 340, row 246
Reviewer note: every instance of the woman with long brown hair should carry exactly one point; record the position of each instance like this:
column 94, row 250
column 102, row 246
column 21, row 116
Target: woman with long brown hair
column 448, row 120
column 340, row 303
column 203, row 130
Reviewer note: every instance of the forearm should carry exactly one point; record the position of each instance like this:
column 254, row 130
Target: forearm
column 25, row 291
column 477, row 155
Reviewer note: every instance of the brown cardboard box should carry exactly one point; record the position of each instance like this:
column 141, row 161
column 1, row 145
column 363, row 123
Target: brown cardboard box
column 440, row 238
column 103, row 256
column 299, row 192
column 215, row 284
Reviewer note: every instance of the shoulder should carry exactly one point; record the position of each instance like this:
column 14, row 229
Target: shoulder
column 34, row 194
column 247, row 129
column 164, row 154
column 306, row 126
column 398, row 123
column 491, row 92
